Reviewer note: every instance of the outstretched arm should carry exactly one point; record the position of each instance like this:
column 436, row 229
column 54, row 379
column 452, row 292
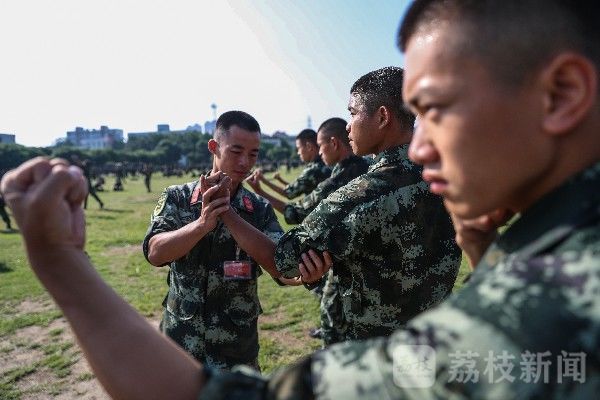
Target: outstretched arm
column 130, row 358
column 254, row 182
column 280, row 179
column 271, row 185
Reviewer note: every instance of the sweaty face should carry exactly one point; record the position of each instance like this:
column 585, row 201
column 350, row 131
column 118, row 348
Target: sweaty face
column 237, row 153
column 327, row 150
column 305, row 150
column 479, row 142
column 362, row 128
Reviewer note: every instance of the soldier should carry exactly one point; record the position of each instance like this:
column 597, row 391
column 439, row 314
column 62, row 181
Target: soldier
column 85, row 166
column 4, row 214
column 314, row 172
column 119, row 176
column 336, row 152
column 391, row 240
column 212, row 306
column 147, row 172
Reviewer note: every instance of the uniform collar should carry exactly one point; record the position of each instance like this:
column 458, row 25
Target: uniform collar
column 346, row 162
column 316, row 162
column 555, row 215
column 393, row 155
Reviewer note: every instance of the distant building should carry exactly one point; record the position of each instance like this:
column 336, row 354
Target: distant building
column 284, row 136
column 210, row 126
column 7, row 138
column 194, row 128
column 270, row 140
column 103, row 138
column 162, row 128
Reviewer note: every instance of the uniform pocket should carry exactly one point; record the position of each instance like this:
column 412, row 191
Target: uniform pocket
column 181, row 308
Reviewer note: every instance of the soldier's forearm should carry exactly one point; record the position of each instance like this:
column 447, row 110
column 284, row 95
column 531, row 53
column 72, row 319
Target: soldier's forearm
column 283, row 181
column 258, row 245
column 274, row 187
column 169, row 246
column 275, row 202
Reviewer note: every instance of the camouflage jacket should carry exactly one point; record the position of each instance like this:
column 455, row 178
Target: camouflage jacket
column 526, row 325
column 342, row 173
column 392, row 243
column 315, row 172
column 213, row 319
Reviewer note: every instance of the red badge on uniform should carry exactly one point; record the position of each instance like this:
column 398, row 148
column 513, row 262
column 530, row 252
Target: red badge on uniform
column 196, row 197
column 248, row 204
column 237, row 270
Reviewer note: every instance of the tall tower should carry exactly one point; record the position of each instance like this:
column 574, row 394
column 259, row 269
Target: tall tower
column 309, row 122
column 214, row 110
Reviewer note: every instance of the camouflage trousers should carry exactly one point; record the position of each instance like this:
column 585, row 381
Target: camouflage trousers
column 222, row 346
column 333, row 324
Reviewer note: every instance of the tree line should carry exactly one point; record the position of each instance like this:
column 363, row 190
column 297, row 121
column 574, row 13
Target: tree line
column 188, row 150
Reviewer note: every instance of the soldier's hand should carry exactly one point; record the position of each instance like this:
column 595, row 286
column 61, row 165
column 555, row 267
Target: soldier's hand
column 214, row 204
column 313, row 266
column 297, row 281
column 475, row 235
column 254, row 181
column 45, row 197
column 214, row 179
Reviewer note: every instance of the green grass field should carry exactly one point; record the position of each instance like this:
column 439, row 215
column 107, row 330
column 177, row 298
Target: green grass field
column 37, row 353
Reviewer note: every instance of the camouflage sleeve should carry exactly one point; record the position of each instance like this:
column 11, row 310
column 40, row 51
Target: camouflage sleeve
column 305, row 183
column 164, row 218
column 294, row 213
column 244, row 383
column 337, row 224
column 271, row 226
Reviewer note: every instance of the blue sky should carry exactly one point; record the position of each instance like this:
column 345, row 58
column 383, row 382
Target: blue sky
column 135, row 64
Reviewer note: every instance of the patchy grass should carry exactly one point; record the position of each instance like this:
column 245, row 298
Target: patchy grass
column 37, row 352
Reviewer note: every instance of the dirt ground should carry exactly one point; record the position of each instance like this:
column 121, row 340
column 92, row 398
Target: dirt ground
column 28, row 347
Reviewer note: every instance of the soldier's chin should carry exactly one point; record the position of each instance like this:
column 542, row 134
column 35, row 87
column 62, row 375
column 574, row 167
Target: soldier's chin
column 462, row 208
column 357, row 150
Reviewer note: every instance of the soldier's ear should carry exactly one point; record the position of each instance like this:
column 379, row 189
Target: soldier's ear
column 570, row 85
column 213, row 146
column 335, row 142
column 383, row 116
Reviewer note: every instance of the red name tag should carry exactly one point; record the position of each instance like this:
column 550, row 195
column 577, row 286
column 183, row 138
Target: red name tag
column 237, row 270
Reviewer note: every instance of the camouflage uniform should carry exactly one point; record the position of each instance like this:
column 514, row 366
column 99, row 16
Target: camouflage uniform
column 315, row 172
column 342, row 173
column 213, row 319
column 333, row 324
column 534, row 292
column 392, row 243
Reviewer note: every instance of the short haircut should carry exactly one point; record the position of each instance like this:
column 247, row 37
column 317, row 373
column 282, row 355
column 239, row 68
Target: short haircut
column 238, row 118
column 512, row 37
column 307, row 136
column 335, row 127
column 383, row 87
